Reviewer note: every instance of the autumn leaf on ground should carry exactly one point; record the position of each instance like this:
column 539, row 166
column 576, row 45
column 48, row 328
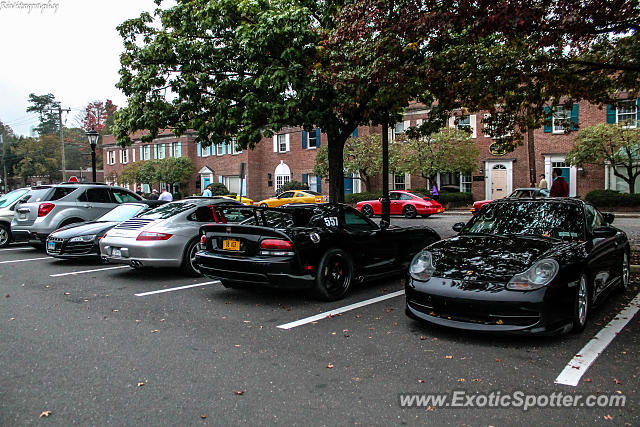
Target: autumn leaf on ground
column 140, row 384
column 388, row 310
column 477, row 380
column 499, row 360
column 330, row 366
column 430, row 408
column 587, row 380
column 67, row 293
column 617, row 381
column 608, row 417
column 420, row 381
column 461, row 380
column 238, row 392
column 155, row 330
column 203, row 416
column 423, row 338
column 45, row 414
column 448, row 357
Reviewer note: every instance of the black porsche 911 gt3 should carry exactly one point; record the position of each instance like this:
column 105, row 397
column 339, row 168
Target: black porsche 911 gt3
column 529, row 266
column 323, row 247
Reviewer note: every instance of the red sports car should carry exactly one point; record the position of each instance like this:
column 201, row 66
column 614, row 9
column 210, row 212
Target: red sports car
column 518, row 193
column 403, row 202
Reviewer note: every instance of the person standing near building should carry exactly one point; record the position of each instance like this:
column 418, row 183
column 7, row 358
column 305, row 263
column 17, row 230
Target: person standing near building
column 139, row 191
column 559, row 188
column 207, row 191
column 166, row 195
column 543, row 182
column 154, row 195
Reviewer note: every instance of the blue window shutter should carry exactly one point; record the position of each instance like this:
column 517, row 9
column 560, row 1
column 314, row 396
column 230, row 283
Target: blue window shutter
column 319, row 181
column 574, row 117
column 355, row 133
column 611, row 114
column 224, row 147
column 548, row 127
column 305, row 178
column 317, row 137
column 199, row 149
column 141, row 153
column 304, row 139
column 638, row 109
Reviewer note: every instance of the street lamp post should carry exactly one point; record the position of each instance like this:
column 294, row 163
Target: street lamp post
column 93, row 141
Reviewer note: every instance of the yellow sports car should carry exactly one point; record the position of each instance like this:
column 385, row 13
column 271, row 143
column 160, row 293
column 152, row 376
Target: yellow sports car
column 245, row 200
column 294, row 196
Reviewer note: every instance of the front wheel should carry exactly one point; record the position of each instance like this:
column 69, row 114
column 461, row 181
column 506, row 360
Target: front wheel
column 334, row 277
column 5, row 236
column 581, row 305
column 264, row 205
column 189, row 266
column 409, row 211
column 367, row 211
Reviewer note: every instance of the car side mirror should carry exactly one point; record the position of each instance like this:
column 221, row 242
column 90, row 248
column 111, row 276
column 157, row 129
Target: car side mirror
column 608, row 217
column 604, row 232
column 458, row 226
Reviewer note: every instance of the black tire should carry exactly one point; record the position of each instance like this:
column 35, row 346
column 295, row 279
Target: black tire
column 581, row 305
column 426, row 216
column 409, row 211
column 264, row 205
column 5, row 236
column 625, row 271
column 367, row 211
column 334, row 275
column 188, row 266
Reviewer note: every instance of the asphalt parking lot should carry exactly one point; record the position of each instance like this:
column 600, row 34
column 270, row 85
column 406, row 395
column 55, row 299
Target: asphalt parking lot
column 99, row 344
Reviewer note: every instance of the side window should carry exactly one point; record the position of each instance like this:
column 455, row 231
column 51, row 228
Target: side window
column 405, row 197
column 394, row 196
column 60, row 192
column 300, row 195
column 356, row 221
column 121, row 196
column 286, row 195
column 594, row 219
column 97, row 195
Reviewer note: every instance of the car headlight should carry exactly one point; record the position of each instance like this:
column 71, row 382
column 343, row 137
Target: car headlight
column 535, row 277
column 421, row 267
column 85, row 238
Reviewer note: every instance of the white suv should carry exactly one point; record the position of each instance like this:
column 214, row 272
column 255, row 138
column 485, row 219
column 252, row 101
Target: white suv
column 50, row 207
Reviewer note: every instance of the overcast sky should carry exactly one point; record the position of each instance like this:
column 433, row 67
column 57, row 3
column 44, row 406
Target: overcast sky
column 69, row 48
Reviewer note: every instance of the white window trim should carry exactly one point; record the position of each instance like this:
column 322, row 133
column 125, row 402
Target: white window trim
column 111, row 157
column 553, row 120
column 548, row 168
column 287, row 145
column 234, row 149
column 308, row 135
column 486, row 116
column 635, row 102
column 124, row 156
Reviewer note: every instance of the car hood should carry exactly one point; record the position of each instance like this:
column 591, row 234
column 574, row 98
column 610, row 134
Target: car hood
column 489, row 258
column 73, row 230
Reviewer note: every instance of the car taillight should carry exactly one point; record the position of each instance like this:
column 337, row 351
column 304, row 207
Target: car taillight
column 276, row 244
column 203, row 239
column 45, row 208
column 150, row 235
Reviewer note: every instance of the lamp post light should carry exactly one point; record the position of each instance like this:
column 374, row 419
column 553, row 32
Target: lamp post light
column 93, row 141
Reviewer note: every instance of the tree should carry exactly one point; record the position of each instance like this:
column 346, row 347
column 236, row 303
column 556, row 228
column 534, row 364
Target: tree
column 609, row 144
column 247, row 69
column 38, row 157
column 45, row 105
column 98, row 115
column 130, row 174
column 174, row 170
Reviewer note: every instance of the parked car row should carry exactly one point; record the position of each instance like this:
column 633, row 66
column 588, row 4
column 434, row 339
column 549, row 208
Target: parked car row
column 520, row 265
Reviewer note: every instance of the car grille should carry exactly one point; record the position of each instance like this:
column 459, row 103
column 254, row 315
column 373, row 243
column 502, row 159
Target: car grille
column 134, row 223
column 79, row 248
column 59, row 241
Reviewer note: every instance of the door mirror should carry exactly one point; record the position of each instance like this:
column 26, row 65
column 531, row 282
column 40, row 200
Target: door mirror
column 458, row 226
column 604, row 232
column 608, row 217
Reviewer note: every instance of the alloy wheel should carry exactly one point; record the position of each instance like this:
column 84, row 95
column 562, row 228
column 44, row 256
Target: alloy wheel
column 583, row 301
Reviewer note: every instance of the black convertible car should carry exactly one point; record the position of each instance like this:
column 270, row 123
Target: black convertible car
column 323, row 247
column 81, row 240
column 530, row 266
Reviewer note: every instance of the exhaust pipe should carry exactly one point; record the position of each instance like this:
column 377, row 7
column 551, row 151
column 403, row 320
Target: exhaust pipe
column 135, row 264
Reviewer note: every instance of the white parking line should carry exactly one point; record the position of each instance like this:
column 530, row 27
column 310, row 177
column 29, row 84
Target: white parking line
column 339, row 310
column 23, row 260
column 87, row 271
column 576, row 368
column 16, row 249
column 178, row 288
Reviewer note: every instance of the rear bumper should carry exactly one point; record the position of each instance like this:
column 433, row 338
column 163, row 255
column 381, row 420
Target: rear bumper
column 428, row 211
column 142, row 253
column 21, row 235
column 272, row 272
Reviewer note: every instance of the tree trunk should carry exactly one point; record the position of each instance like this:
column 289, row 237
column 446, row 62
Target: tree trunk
column 531, row 145
column 336, row 166
column 367, row 181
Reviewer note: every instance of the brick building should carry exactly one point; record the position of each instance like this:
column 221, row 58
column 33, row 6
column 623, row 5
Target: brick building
column 290, row 155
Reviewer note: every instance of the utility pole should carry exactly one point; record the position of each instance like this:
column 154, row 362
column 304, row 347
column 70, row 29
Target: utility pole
column 4, row 165
column 60, row 110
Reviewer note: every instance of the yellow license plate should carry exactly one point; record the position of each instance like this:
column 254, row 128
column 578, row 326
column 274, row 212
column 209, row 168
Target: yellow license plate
column 231, row 245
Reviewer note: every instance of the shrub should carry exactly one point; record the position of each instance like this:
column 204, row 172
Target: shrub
column 219, row 189
column 359, row 197
column 449, row 199
column 293, row 185
column 611, row 198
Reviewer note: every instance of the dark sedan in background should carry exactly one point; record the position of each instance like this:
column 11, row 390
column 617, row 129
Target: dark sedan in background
column 323, row 247
column 82, row 240
column 530, row 266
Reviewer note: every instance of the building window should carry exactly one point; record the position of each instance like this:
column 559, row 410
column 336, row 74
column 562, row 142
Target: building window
column 491, row 127
column 232, row 183
column 234, row 147
column 399, row 128
column 206, row 151
column 282, row 144
column 161, row 151
column 312, row 140
column 111, row 157
column 398, row 182
column 124, row 156
column 464, row 123
column 281, row 180
column 147, row 152
column 175, row 149
column 219, row 149
column 559, row 118
column 626, row 112
column 465, row 183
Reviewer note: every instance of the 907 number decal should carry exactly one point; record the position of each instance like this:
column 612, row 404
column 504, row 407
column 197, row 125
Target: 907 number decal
column 331, row 221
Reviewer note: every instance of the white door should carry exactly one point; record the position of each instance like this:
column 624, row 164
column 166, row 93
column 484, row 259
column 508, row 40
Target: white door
column 498, row 182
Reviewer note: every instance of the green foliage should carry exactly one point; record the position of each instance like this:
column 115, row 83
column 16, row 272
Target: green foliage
column 609, row 144
column 173, row 170
column 360, row 197
column 293, row 185
column 44, row 106
column 611, row 198
column 449, row 199
column 219, row 189
column 38, row 157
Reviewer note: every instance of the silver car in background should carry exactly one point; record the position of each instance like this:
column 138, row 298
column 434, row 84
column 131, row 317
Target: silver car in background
column 166, row 236
column 8, row 204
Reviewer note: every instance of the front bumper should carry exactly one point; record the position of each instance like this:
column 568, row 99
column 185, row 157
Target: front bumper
column 273, row 271
column 542, row 311
column 63, row 248
column 154, row 253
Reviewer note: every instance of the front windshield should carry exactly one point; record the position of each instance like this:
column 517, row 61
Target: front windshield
column 546, row 219
column 168, row 210
column 121, row 213
column 11, row 197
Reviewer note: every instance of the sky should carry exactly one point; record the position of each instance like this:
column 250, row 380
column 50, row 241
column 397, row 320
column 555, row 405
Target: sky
column 69, row 48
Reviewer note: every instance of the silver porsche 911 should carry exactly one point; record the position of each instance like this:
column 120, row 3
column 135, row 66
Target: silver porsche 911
column 166, row 236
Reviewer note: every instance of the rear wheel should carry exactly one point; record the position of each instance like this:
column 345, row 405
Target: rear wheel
column 5, row 236
column 188, row 261
column 409, row 211
column 334, row 277
column 581, row 305
column 264, row 205
column 367, row 211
